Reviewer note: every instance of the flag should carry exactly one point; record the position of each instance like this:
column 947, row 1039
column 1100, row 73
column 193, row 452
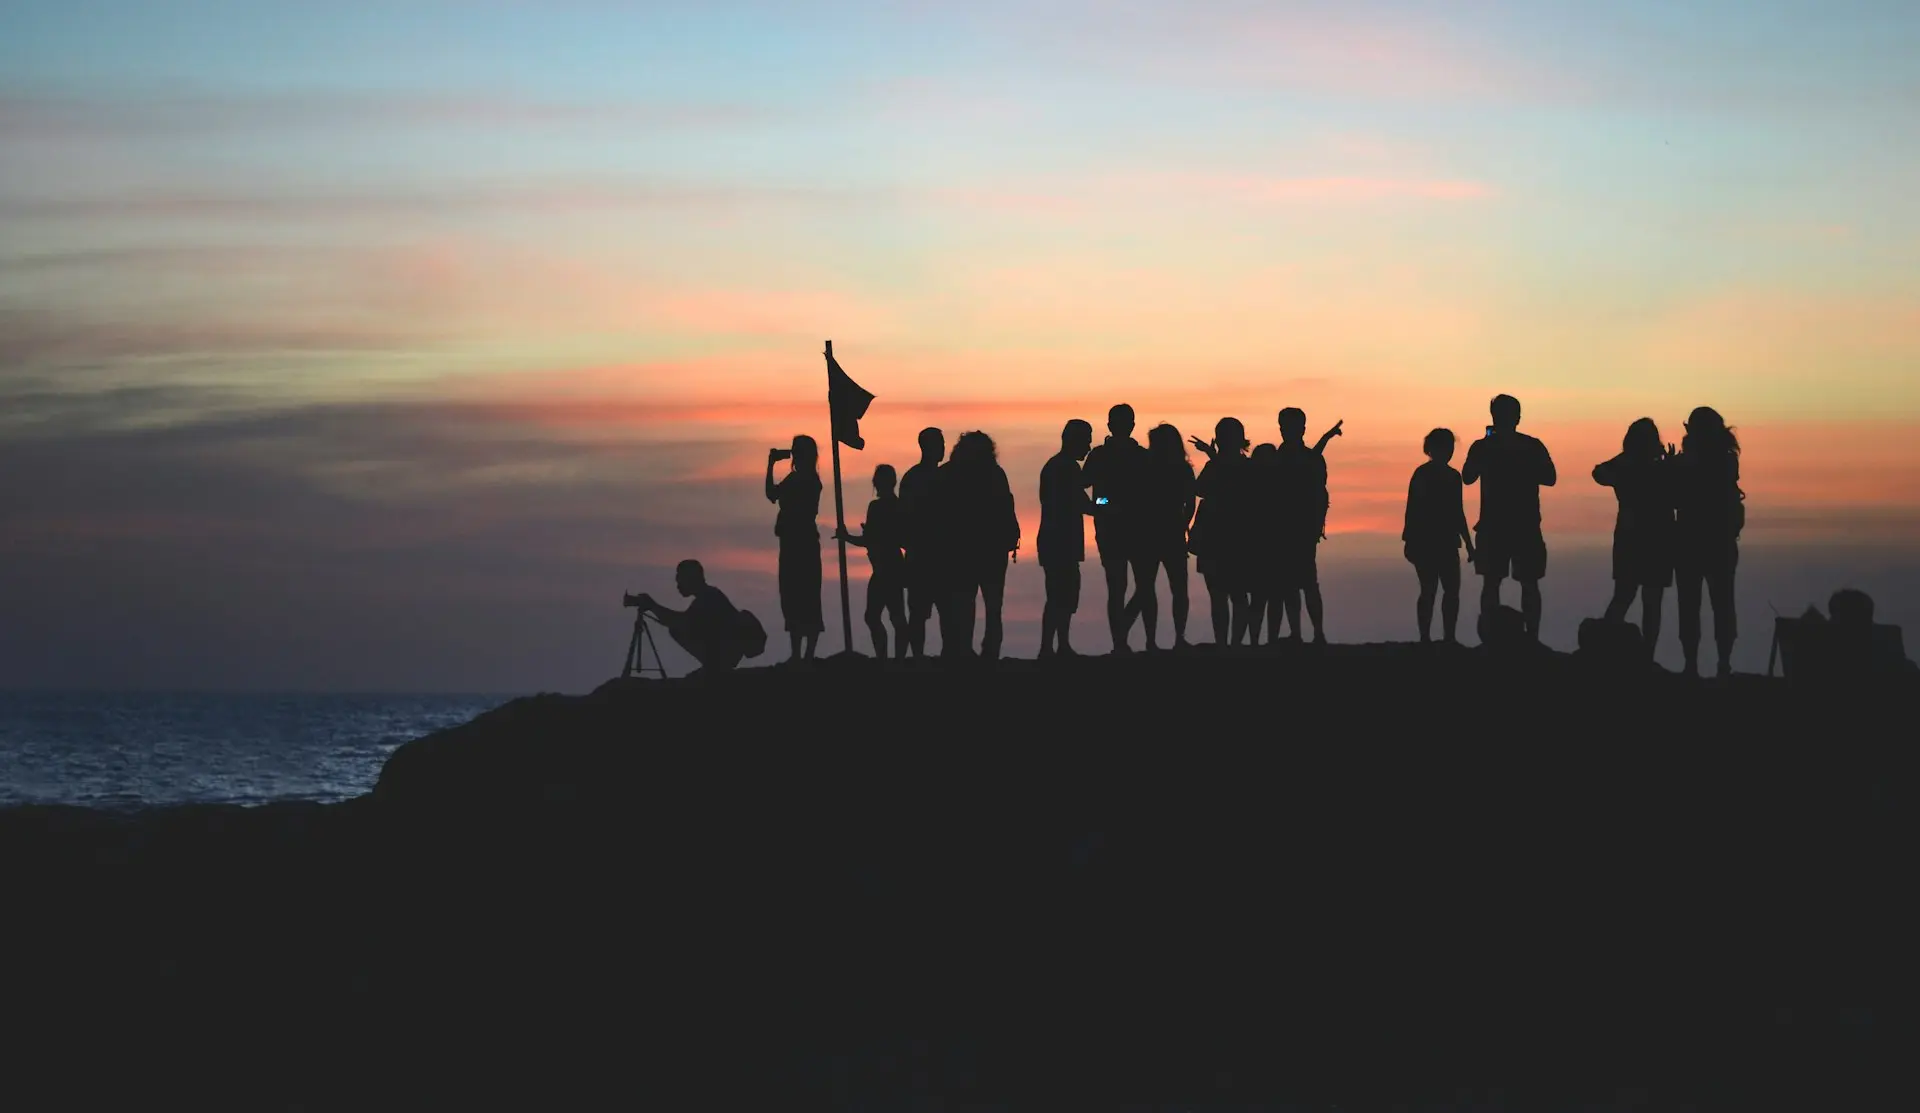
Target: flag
column 849, row 401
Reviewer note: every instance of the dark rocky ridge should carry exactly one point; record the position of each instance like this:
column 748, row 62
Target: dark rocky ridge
column 1365, row 876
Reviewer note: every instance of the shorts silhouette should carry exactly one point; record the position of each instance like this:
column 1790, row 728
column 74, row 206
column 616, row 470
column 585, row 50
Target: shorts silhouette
column 1521, row 554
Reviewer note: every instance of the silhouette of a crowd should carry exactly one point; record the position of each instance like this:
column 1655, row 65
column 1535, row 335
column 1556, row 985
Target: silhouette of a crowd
column 940, row 537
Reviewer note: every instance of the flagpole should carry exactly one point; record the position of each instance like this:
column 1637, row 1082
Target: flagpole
column 839, row 513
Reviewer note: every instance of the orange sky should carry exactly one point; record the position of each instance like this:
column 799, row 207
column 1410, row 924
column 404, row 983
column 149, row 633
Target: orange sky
column 444, row 318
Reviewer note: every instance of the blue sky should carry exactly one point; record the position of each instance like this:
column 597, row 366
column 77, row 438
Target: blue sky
column 436, row 274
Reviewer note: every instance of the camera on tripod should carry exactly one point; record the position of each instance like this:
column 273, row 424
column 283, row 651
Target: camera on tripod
column 642, row 641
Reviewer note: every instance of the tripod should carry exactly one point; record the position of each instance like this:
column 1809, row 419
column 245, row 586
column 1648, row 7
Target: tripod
column 637, row 648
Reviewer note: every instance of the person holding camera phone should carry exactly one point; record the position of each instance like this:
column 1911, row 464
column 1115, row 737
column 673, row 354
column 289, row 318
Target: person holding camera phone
column 797, row 526
column 1642, row 480
column 1064, row 507
column 1116, row 470
column 1510, row 542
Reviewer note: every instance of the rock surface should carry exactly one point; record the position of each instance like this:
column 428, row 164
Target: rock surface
column 1364, row 876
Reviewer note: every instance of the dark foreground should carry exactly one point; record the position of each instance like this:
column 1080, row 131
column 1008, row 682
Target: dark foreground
column 1368, row 878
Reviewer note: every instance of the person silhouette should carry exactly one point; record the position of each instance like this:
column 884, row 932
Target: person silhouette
column 1859, row 652
column 798, row 497
column 883, row 538
column 1710, row 512
column 985, row 529
column 1166, row 510
column 1221, row 537
column 1299, row 489
column 1436, row 527
column 924, row 575
column 1844, row 646
column 710, row 629
column 1062, row 543
column 1642, row 527
column 1509, row 539
column 1263, row 546
column 1115, row 470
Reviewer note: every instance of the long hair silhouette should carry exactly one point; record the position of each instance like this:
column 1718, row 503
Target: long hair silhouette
column 1708, row 432
column 974, row 448
column 1642, row 439
column 1163, row 440
column 806, row 453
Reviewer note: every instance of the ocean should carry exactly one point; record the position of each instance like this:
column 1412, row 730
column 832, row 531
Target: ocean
column 141, row 750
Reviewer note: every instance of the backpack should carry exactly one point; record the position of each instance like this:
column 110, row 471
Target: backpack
column 753, row 636
column 1615, row 643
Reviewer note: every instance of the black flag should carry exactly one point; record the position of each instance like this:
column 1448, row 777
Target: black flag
column 849, row 401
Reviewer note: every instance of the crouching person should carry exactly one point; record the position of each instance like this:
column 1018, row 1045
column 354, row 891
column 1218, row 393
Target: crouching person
column 712, row 630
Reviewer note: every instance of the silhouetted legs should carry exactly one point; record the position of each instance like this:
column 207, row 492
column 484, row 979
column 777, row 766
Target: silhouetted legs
column 1115, row 566
column 1242, row 616
column 1719, row 586
column 943, row 592
column 920, row 597
column 985, row 580
column 1145, row 604
column 953, row 609
column 1651, row 598
column 1523, row 553
column 1300, row 577
column 1176, row 567
column 1063, row 599
column 1228, row 604
column 1489, row 600
column 1440, row 577
column 884, row 598
column 993, row 593
column 800, row 594
column 1623, row 593
column 1290, row 602
column 957, row 619
column 1530, row 602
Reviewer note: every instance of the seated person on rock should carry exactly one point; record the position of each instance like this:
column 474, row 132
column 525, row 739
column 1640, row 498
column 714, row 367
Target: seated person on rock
column 1855, row 642
column 1845, row 643
column 711, row 629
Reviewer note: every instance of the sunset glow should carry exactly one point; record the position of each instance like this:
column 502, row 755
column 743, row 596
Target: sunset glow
column 392, row 312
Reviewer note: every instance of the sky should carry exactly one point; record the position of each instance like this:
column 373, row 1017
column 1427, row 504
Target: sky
column 382, row 346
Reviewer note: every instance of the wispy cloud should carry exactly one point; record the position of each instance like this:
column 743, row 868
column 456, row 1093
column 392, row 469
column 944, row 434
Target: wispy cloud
column 34, row 340
column 1101, row 195
column 1286, row 190
column 174, row 114
column 560, row 197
